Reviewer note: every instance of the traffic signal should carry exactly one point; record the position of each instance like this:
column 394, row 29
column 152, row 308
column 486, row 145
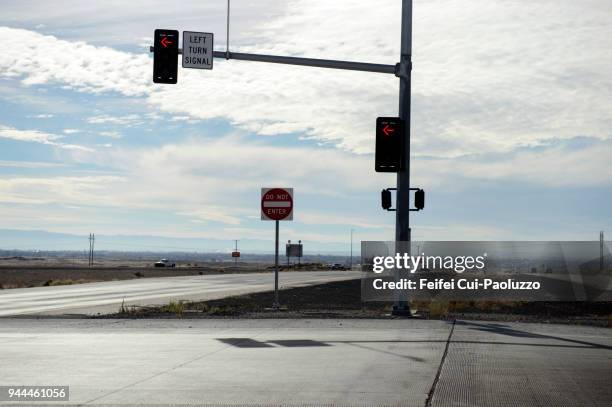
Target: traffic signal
column 165, row 56
column 385, row 198
column 419, row 199
column 389, row 144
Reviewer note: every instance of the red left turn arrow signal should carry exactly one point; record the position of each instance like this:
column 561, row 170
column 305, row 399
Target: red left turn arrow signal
column 165, row 42
column 388, row 130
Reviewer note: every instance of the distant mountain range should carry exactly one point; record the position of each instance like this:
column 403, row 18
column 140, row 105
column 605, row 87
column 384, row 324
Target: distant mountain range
column 50, row 241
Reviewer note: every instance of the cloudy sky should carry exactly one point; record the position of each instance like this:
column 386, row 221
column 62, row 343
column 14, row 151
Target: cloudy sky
column 511, row 129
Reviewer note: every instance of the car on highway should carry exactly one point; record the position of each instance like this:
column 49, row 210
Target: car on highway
column 338, row 266
column 165, row 263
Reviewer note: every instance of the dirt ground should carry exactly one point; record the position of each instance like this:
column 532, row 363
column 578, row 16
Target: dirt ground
column 343, row 300
column 19, row 273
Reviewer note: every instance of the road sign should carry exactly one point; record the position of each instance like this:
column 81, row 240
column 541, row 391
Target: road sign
column 165, row 56
column 293, row 250
column 197, row 50
column 389, row 144
column 277, row 204
column 235, row 254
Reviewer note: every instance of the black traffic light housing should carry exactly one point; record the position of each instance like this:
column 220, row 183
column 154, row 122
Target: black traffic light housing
column 419, row 199
column 386, row 200
column 389, row 144
column 165, row 56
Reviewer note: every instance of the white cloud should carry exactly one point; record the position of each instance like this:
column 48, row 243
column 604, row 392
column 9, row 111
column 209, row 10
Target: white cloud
column 489, row 78
column 42, row 116
column 493, row 84
column 117, row 22
column 207, row 214
column 318, row 218
column 71, row 131
column 112, row 134
column 125, row 120
column 43, row 59
column 191, row 179
column 36, row 136
column 29, row 135
column 62, row 189
column 30, row 164
column 217, row 181
column 555, row 166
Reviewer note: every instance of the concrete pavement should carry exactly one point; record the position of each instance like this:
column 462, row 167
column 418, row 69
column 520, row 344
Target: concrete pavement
column 310, row 362
column 514, row 364
column 106, row 297
column 238, row 362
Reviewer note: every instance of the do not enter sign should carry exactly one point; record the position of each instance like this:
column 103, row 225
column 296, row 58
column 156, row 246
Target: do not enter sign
column 277, row 204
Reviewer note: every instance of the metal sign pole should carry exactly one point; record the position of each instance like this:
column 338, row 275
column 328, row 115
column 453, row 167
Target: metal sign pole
column 276, row 303
column 402, row 221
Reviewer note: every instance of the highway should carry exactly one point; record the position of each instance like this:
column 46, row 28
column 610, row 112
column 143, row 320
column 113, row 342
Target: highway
column 309, row 362
column 107, row 297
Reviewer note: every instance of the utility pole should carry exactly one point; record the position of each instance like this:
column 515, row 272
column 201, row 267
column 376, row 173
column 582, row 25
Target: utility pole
column 92, row 239
column 402, row 220
column 601, row 251
column 236, row 245
column 351, row 260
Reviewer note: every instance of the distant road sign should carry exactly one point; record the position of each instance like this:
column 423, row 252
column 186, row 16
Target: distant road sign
column 235, row 254
column 277, row 204
column 197, row 50
column 293, row 250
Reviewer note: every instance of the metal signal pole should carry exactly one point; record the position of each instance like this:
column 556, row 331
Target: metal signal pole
column 402, row 219
column 403, row 71
column 276, row 304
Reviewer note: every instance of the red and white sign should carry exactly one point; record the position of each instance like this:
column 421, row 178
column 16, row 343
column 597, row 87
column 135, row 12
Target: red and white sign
column 277, row 204
column 235, row 254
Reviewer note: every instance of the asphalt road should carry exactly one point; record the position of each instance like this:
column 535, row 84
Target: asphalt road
column 107, row 297
column 310, row 362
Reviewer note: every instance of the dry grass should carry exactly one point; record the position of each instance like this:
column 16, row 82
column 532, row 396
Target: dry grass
column 50, row 283
column 174, row 307
column 343, row 299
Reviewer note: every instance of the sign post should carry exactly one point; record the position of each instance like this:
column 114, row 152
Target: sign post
column 276, row 205
column 236, row 254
